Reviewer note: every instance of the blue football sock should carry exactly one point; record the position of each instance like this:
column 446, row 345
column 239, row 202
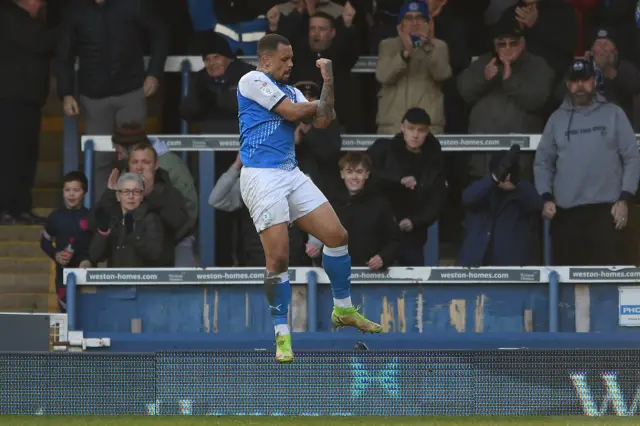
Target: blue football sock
column 278, row 292
column 337, row 264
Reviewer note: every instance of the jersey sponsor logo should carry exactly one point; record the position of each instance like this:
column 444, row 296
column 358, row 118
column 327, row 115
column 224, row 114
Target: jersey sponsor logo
column 266, row 89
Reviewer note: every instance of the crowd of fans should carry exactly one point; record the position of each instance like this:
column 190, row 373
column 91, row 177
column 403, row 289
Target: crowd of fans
column 566, row 69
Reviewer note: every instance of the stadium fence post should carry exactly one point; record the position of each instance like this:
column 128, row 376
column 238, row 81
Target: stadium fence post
column 185, row 67
column 70, row 144
column 71, row 301
column 88, row 170
column 546, row 240
column 312, row 301
column 554, row 293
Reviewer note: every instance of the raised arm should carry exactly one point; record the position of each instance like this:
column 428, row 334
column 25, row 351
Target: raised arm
column 325, row 112
column 260, row 89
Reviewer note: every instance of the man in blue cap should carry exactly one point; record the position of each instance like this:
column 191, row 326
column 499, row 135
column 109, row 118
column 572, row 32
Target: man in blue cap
column 587, row 170
column 410, row 69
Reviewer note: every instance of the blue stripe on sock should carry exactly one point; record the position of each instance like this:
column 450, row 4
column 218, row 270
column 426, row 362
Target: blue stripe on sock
column 279, row 306
column 339, row 271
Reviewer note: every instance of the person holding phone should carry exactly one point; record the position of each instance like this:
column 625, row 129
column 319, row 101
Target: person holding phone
column 410, row 69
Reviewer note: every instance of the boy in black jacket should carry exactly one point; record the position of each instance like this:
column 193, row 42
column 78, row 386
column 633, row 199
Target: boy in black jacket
column 66, row 235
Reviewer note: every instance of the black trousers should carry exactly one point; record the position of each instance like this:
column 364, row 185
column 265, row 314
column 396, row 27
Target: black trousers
column 586, row 236
column 20, row 135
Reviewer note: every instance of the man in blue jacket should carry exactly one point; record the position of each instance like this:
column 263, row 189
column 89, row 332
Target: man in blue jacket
column 502, row 212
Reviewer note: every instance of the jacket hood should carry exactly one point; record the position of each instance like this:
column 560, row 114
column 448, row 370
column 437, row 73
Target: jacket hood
column 160, row 146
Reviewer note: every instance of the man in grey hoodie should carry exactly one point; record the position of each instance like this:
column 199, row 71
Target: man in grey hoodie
column 587, row 169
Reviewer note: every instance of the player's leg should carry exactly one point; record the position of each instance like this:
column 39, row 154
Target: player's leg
column 312, row 213
column 266, row 200
column 275, row 242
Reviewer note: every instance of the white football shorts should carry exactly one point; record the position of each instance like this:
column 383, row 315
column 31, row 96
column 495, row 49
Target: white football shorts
column 275, row 196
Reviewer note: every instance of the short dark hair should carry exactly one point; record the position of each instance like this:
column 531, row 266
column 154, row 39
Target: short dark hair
column 416, row 116
column 355, row 158
column 76, row 176
column 129, row 134
column 325, row 15
column 270, row 43
column 143, row 146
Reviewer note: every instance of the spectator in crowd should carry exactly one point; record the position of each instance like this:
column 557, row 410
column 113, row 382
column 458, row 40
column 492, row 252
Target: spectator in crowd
column 246, row 241
column 160, row 197
column 507, row 89
column 324, row 40
column 621, row 15
column 66, row 235
column 212, row 100
column 409, row 169
column 550, row 28
column 130, row 135
column 112, row 82
column 318, row 150
column 502, row 214
column 619, row 80
column 374, row 235
column 132, row 237
column 587, row 170
column 26, row 48
column 410, row 69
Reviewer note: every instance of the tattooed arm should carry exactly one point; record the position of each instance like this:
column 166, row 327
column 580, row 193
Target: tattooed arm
column 325, row 112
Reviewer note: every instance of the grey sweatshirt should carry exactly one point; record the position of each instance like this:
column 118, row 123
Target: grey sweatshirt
column 587, row 155
column 226, row 194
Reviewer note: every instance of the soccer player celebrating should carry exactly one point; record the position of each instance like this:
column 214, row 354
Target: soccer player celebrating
column 277, row 193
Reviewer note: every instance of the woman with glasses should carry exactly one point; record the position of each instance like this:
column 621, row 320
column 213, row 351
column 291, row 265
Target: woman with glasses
column 134, row 236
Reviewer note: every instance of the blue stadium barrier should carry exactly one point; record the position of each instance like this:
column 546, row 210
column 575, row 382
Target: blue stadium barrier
column 151, row 288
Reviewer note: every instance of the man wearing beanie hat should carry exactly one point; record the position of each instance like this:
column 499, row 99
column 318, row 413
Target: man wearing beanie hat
column 409, row 169
column 410, row 69
column 587, row 169
column 212, row 99
column 617, row 79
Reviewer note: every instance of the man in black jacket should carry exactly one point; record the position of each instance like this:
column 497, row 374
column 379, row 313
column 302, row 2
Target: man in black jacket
column 112, row 81
column 212, row 99
column 409, row 169
column 26, row 48
column 374, row 236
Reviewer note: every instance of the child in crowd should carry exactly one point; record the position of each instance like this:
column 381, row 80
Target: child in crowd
column 66, row 235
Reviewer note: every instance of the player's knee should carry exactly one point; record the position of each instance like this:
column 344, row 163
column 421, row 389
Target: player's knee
column 337, row 238
column 278, row 262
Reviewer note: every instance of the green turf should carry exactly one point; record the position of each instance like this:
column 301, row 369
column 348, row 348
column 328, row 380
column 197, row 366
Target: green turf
column 313, row 421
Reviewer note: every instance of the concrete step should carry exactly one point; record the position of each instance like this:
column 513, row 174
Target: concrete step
column 49, row 174
column 20, row 233
column 22, row 249
column 34, row 302
column 51, row 146
column 47, row 197
column 12, row 265
column 20, row 283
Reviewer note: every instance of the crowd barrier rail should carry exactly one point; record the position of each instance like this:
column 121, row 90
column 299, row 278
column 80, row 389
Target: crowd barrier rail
column 312, row 278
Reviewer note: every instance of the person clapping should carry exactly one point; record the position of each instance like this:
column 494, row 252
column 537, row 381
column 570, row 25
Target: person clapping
column 134, row 236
